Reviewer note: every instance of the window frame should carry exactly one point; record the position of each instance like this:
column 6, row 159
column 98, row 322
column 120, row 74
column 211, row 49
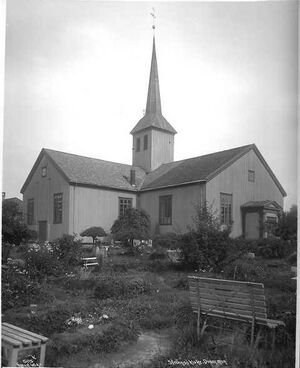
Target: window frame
column 226, row 209
column 122, row 205
column 138, row 144
column 44, row 171
column 165, row 208
column 57, row 208
column 30, row 211
column 145, row 142
column 251, row 176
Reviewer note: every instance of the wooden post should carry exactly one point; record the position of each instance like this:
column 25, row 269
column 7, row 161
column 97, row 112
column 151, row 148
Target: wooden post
column 13, row 357
column 198, row 324
column 42, row 355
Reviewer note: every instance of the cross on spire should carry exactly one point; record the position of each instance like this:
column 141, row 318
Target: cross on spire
column 153, row 19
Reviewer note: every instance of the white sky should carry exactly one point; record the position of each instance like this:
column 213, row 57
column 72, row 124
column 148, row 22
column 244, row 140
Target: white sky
column 76, row 78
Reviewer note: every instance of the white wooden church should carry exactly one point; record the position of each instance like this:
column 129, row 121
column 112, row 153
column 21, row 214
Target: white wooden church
column 65, row 193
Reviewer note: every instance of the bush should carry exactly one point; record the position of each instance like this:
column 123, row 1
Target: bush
column 245, row 270
column 93, row 232
column 167, row 241
column 116, row 286
column 158, row 253
column 273, row 248
column 42, row 262
column 205, row 247
column 68, row 250
column 6, row 248
column 17, row 288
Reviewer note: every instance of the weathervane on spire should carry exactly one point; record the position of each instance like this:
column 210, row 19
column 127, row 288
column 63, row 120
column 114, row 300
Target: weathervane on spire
column 153, row 18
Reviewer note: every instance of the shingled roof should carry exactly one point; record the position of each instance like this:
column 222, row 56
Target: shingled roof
column 81, row 170
column 89, row 171
column 200, row 169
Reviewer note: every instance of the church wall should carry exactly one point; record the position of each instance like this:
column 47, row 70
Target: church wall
column 94, row 207
column 234, row 180
column 42, row 190
column 184, row 198
column 162, row 148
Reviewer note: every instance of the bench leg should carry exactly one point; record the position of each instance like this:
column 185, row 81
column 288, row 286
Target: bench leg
column 273, row 339
column 13, row 357
column 198, row 325
column 42, row 355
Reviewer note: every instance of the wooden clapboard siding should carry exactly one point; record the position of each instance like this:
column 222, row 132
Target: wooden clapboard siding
column 184, row 199
column 234, row 180
column 94, row 207
column 42, row 190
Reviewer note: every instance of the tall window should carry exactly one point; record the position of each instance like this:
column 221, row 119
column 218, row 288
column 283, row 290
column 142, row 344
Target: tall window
column 251, row 175
column 226, row 208
column 165, row 210
column 58, row 208
column 124, row 204
column 30, row 211
column 138, row 144
column 145, row 142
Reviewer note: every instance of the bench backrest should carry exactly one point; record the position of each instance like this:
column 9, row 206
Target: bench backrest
column 226, row 298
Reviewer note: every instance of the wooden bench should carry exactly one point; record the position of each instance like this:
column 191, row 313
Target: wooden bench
column 15, row 339
column 89, row 261
column 233, row 300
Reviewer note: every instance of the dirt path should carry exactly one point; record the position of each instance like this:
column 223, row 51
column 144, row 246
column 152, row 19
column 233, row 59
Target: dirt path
column 148, row 346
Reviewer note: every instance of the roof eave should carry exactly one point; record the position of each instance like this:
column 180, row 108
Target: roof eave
column 173, row 185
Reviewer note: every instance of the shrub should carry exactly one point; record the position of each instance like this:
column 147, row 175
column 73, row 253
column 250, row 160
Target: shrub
column 158, row 253
column 245, row 270
column 17, row 288
column 68, row 250
column 273, row 248
column 132, row 224
column 116, row 286
column 94, row 232
column 205, row 246
column 292, row 259
column 167, row 241
column 6, row 248
column 41, row 262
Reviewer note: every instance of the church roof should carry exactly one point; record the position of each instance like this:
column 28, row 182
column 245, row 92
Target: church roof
column 81, row 170
column 153, row 116
column 200, row 169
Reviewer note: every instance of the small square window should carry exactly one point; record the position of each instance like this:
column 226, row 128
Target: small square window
column 138, row 144
column 251, row 176
column 145, row 142
column 44, row 171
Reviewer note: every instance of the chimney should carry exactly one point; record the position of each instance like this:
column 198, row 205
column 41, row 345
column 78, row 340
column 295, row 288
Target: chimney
column 132, row 177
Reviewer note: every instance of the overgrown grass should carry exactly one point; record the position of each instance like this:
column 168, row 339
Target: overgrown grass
column 138, row 294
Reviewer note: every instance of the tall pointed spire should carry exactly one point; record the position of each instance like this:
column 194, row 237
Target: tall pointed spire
column 153, row 99
column 153, row 117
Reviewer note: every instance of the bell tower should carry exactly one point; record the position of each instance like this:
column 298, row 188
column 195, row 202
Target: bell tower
column 153, row 135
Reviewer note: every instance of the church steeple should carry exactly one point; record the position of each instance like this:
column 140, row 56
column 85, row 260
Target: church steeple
column 153, row 116
column 153, row 135
column 153, row 99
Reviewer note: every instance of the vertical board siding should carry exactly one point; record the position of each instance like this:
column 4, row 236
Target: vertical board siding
column 42, row 190
column 184, row 200
column 94, row 207
column 234, row 180
column 142, row 158
column 162, row 148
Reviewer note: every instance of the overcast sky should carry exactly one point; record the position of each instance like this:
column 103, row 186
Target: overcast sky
column 76, row 78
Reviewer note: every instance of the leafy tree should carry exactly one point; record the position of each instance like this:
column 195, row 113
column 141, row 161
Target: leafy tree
column 132, row 224
column 14, row 229
column 93, row 232
column 287, row 224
